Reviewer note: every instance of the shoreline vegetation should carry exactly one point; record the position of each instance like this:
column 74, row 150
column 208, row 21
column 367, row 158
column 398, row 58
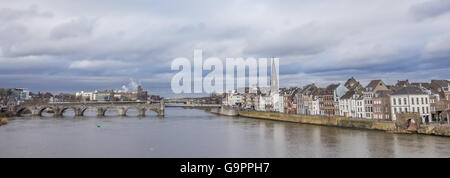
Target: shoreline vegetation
column 3, row 121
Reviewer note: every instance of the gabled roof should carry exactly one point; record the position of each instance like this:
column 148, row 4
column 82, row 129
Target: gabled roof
column 348, row 94
column 408, row 91
column 308, row 89
column 332, row 87
column 424, row 85
column 373, row 84
column 441, row 83
column 403, row 83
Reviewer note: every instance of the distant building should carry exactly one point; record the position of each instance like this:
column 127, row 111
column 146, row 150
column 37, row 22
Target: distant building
column 410, row 99
column 85, row 96
column 107, row 95
column 369, row 94
column 441, row 86
column 403, row 83
column 155, row 97
column 305, row 99
column 353, row 84
column 351, row 104
column 141, row 94
column 290, row 100
column 330, row 99
column 382, row 105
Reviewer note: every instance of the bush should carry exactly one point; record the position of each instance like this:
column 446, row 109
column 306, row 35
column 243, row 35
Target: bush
column 4, row 121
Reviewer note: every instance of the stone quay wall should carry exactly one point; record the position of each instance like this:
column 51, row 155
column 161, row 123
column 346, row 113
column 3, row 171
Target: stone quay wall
column 344, row 122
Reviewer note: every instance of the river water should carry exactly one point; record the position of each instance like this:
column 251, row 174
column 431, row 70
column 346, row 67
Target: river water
column 196, row 133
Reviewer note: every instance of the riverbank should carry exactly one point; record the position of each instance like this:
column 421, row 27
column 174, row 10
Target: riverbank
column 225, row 111
column 387, row 126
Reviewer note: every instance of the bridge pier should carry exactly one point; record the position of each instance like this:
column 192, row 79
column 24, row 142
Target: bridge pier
column 101, row 112
column 35, row 112
column 161, row 108
column 57, row 112
column 142, row 112
column 78, row 112
column 122, row 111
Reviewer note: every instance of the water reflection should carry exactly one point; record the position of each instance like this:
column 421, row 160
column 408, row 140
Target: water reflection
column 196, row 133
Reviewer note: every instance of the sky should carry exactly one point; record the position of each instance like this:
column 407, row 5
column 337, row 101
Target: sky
column 69, row 46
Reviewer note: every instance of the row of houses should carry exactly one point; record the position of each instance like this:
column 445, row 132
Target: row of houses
column 256, row 99
column 376, row 100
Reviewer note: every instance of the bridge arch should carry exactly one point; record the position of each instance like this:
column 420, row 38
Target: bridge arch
column 131, row 111
column 110, row 111
column 84, row 111
column 53, row 110
column 100, row 108
column 152, row 111
column 65, row 110
column 24, row 110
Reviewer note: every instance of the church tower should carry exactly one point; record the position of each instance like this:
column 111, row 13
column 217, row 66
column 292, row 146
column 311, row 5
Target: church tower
column 273, row 78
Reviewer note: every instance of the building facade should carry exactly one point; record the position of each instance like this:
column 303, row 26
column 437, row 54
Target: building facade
column 410, row 99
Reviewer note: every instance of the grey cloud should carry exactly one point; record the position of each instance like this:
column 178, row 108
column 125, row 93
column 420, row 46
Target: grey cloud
column 438, row 48
column 75, row 28
column 105, row 43
column 430, row 8
column 9, row 14
column 308, row 39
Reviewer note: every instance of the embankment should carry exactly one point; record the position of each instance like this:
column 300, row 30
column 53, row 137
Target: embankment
column 344, row 122
column 226, row 111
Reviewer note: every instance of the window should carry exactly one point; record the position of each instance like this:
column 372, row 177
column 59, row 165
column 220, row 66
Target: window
column 395, row 110
column 427, row 110
column 395, row 103
column 426, row 100
column 423, row 109
column 412, row 101
column 405, row 101
column 399, row 101
column 417, row 100
column 422, row 100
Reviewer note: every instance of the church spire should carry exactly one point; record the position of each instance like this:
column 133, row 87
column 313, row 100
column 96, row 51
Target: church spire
column 273, row 78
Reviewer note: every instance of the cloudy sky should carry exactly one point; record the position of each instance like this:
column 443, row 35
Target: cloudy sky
column 67, row 46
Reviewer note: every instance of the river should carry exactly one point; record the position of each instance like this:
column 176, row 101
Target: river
column 196, row 133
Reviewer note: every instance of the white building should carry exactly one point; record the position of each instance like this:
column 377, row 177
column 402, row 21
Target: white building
column 233, row 99
column 351, row 105
column 338, row 92
column 85, row 95
column 269, row 99
column 315, row 105
column 410, row 99
column 360, row 107
column 24, row 94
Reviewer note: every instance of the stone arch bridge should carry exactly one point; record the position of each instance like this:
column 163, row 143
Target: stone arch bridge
column 101, row 107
